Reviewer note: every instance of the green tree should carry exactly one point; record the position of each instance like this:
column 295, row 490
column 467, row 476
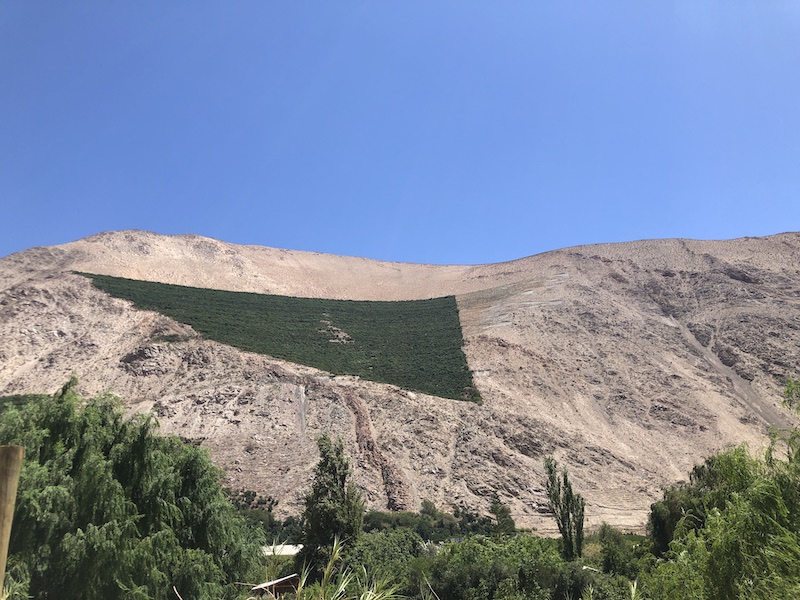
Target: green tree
column 430, row 523
column 500, row 568
column 711, row 485
column 107, row 508
column 739, row 536
column 334, row 507
column 567, row 508
column 393, row 555
column 617, row 552
column 470, row 521
column 791, row 394
column 504, row 522
column 339, row 582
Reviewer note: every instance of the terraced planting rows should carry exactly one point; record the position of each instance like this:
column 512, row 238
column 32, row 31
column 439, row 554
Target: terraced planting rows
column 415, row 344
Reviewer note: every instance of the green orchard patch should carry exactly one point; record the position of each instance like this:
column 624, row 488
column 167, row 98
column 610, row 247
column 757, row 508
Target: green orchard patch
column 414, row 344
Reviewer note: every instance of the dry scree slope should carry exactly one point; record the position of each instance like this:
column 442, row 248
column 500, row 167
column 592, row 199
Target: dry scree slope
column 628, row 362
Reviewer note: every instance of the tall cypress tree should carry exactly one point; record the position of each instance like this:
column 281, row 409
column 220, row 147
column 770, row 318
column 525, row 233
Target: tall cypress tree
column 567, row 508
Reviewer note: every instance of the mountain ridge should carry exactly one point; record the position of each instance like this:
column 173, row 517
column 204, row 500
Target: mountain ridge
column 629, row 362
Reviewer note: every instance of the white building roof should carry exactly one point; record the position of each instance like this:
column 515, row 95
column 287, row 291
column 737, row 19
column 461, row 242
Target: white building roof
column 281, row 549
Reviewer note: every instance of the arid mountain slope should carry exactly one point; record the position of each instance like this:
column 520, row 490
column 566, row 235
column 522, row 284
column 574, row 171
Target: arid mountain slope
column 628, row 362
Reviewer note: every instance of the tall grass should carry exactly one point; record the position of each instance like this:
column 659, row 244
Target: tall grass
column 340, row 584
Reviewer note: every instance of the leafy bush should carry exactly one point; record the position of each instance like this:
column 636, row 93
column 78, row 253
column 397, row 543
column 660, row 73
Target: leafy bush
column 433, row 525
column 739, row 536
column 107, row 508
column 258, row 512
column 390, row 556
column 18, row 400
column 685, row 507
column 415, row 344
column 340, row 582
column 618, row 553
column 481, row 568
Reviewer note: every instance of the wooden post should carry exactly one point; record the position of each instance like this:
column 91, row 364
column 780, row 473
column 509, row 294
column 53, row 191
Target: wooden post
column 10, row 465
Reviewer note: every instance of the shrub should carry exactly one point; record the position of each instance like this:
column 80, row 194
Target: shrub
column 107, row 508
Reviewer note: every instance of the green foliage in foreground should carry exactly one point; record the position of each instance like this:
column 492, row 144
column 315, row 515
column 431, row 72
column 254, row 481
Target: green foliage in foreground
column 416, row 345
column 791, row 395
column 339, row 582
column 18, row 400
column 106, row 508
column 514, row 567
column 733, row 531
column 334, row 507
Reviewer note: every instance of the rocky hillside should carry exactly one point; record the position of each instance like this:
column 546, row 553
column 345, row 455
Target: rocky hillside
column 628, row 362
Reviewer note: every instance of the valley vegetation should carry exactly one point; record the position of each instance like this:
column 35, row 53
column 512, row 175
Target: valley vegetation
column 108, row 508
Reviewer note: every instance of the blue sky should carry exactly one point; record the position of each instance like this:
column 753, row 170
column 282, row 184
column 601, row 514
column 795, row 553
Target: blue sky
column 436, row 132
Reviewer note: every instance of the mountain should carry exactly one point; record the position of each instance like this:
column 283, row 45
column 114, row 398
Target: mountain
column 628, row 362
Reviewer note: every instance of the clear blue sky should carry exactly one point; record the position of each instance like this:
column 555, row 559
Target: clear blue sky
column 421, row 131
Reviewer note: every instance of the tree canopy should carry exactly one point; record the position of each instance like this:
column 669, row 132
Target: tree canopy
column 733, row 531
column 334, row 507
column 107, row 508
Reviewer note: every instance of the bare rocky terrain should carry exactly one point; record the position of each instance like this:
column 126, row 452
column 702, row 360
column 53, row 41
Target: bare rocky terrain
column 628, row 362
